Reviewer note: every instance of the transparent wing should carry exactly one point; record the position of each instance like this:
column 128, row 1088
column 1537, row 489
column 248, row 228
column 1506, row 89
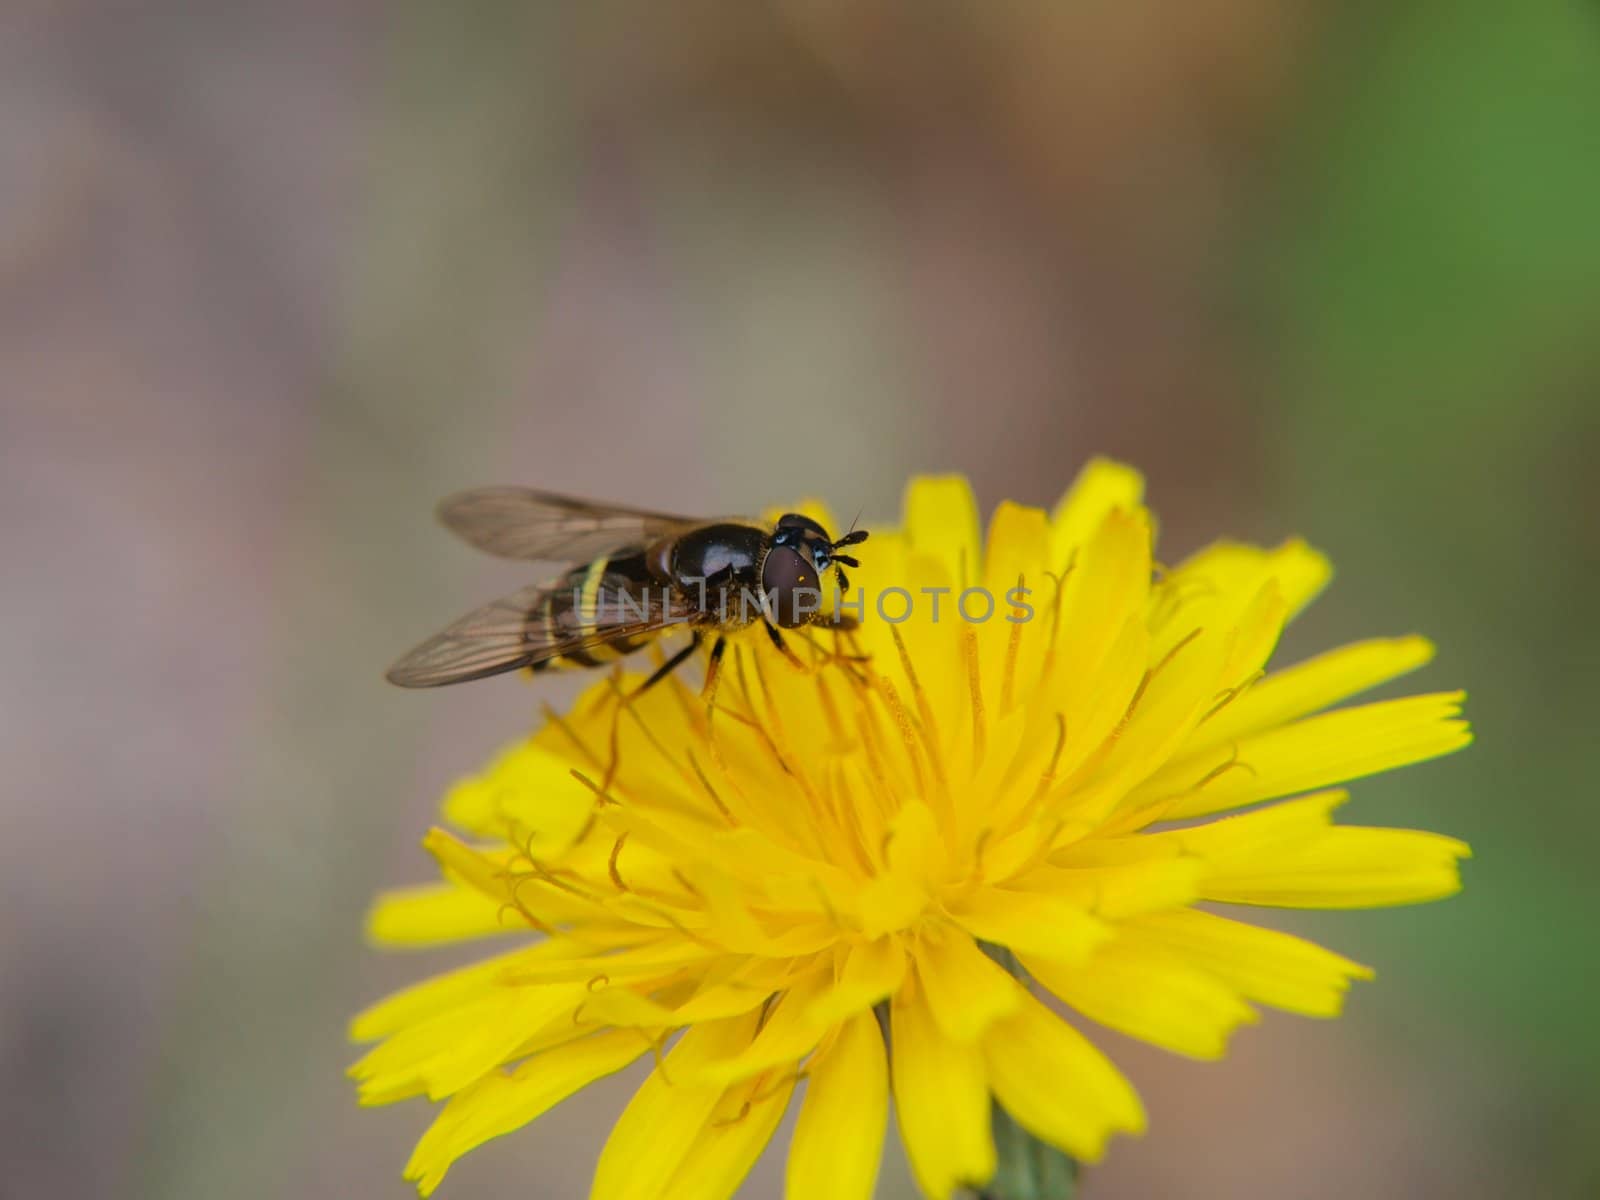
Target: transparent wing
column 522, row 630
column 525, row 524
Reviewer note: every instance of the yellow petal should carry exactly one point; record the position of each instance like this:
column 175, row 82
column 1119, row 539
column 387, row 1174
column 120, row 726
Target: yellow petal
column 1336, row 746
column 1010, row 643
column 1308, row 687
column 1174, row 698
column 1290, row 855
column 1300, row 571
column 432, row 914
column 1229, row 839
column 445, row 1053
column 528, row 794
column 1262, row 964
column 870, row 972
column 965, row 989
column 430, row 997
column 625, row 1008
column 663, row 1120
column 472, row 867
column 941, row 521
column 787, row 1034
column 717, row 997
column 838, row 1140
column 731, row 1141
column 1018, row 545
column 1256, row 630
column 1347, row 867
column 1056, row 1085
column 1035, row 922
column 1108, row 585
column 1098, row 652
column 498, row 1103
column 1149, row 994
column 1076, row 712
column 941, row 1097
column 1118, row 890
column 570, row 961
column 917, row 854
column 890, row 903
column 1101, row 486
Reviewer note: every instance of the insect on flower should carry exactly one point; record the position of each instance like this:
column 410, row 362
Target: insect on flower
column 905, row 887
column 638, row 574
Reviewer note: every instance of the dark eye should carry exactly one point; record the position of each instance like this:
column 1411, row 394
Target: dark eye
column 792, row 583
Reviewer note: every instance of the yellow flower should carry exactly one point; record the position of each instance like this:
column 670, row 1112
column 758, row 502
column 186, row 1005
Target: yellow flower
column 739, row 892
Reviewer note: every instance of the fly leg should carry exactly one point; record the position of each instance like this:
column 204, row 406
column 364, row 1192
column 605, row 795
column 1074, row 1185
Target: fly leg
column 842, row 629
column 713, row 669
column 668, row 667
column 783, row 646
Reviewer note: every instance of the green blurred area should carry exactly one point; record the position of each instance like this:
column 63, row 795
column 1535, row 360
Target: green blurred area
column 1438, row 273
column 1439, row 277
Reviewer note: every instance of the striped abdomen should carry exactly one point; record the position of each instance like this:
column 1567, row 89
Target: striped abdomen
column 602, row 611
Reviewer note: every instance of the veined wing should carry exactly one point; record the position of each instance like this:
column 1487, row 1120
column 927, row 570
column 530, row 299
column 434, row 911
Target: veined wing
column 538, row 624
column 522, row 523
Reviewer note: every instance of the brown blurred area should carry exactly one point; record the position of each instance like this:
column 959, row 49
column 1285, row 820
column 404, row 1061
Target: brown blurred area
column 274, row 277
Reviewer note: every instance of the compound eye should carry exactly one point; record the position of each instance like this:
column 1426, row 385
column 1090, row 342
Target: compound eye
column 793, row 586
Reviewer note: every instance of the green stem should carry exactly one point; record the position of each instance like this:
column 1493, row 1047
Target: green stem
column 1027, row 1169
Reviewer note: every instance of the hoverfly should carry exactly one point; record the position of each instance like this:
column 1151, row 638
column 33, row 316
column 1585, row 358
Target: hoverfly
column 636, row 575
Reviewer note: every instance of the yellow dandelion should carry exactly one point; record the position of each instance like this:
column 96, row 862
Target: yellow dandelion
column 806, row 888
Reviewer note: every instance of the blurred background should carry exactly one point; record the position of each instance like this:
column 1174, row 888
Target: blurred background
column 273, row 277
